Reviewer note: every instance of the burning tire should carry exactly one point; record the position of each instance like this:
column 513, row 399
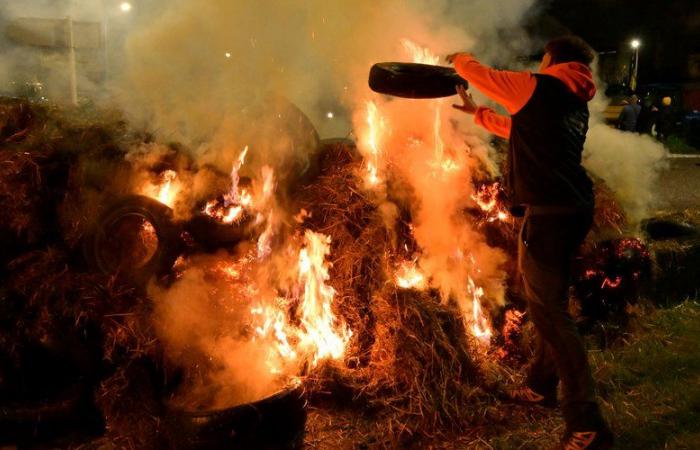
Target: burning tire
column 276, row 422
column 211, row 234
column 411, row 80
column 135, row 238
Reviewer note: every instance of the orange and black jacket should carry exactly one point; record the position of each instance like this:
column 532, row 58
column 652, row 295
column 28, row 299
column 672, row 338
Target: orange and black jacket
column 546, row 128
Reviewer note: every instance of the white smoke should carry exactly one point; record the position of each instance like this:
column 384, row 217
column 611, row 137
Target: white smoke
column 629, row 163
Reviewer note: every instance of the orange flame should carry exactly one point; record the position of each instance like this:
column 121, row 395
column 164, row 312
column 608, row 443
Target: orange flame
column 234, row 201
column 326, row 336
column 376, row 127
column 408, row 276
column 318, row 334
column 166, row 190
column 486, row 198
column 422, row 55
column 480, row 325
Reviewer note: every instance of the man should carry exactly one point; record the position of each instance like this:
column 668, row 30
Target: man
column 547, row 128
column 647, row 117
column 629, row 115
column 666, row 121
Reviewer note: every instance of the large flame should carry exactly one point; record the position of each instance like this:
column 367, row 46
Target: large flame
column 375, row 130
column 422, row 55
column 321, row 332
column 165, row 190
column 312, row 331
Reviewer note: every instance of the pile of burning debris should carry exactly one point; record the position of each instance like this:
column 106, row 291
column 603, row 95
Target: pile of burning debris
column 156, row 296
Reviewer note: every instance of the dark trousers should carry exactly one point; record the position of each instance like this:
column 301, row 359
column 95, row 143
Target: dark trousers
column 546, row 252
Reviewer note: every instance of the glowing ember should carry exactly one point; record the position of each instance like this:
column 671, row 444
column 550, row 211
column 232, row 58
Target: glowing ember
column 408, row 276
column 612, row 284
column 222, row 214
column 486, row 198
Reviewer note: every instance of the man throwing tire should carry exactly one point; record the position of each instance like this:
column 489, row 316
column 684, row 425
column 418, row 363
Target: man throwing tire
column 546, row 127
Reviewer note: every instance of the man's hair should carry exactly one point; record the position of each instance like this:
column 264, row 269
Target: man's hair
column 570, row 49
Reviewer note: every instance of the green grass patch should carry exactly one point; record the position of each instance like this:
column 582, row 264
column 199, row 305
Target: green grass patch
column 676, row 144
column 650, row 383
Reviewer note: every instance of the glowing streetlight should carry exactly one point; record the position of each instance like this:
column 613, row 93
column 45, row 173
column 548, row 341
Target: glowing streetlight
column 125, row 7
column 227, row 54
column 330, row 114
column 635, row 44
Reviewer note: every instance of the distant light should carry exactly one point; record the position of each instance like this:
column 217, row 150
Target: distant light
column 227, row 54
column 329, row 114
column 125, row 6
column 635, row 43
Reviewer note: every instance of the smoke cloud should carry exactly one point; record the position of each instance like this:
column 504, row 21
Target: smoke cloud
column 629, row 163
column 219, row 75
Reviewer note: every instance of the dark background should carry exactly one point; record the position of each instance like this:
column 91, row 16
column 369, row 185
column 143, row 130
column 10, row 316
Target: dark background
column 668, row 29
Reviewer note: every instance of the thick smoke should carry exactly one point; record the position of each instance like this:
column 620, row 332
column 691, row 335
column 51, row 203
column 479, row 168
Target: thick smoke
column 214, row 74
column 219, row 75
column 629, row 163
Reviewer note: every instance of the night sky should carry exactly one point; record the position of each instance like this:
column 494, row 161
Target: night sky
column 669, row 31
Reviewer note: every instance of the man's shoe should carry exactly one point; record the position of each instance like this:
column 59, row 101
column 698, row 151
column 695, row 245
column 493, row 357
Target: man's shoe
column 587, row 440
column 526, row 396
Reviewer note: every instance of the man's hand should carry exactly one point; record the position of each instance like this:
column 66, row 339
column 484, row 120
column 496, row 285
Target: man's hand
column 469, row 105
column 451, row 57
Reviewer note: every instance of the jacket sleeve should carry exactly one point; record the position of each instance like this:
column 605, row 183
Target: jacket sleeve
column 510, row 89
column 497, row 124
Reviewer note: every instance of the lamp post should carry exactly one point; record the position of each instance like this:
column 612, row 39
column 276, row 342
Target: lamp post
column 635, row 44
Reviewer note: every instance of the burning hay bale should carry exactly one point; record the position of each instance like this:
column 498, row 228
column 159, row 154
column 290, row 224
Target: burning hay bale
column 411, row 359
column 422, row 364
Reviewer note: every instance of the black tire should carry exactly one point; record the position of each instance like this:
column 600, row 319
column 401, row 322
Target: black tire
column 658, row 229
column 103, row 242
column 411, row 80
column 212, row 234
column 276, row 422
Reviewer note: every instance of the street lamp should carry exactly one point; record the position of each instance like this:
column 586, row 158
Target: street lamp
column 108, row 12
column 635, row 44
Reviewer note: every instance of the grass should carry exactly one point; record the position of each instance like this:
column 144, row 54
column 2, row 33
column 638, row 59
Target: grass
column 676, row 144
column 648, row 386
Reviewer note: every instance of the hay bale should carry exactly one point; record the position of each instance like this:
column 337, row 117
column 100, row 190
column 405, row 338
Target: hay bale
column 421, row 362
column 411, row 360
column 675, row 270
